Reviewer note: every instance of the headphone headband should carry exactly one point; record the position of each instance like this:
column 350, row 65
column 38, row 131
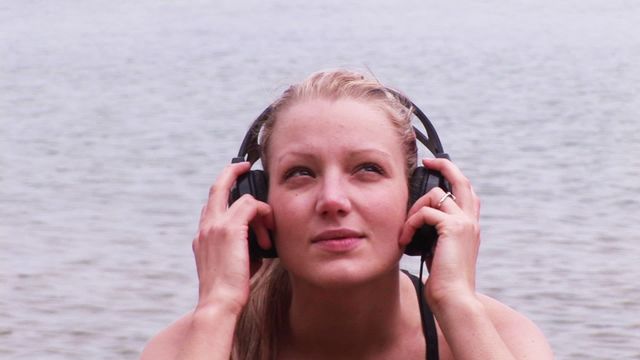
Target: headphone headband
column 249, row 146
column 431, row 141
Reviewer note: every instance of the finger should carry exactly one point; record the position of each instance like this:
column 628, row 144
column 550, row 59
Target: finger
column 476, row 205
column 460, row 184
column 202, row 217
column 261, row 225
column 423, row 216
column 436, row 199
column 247, row 210
column 219, row 191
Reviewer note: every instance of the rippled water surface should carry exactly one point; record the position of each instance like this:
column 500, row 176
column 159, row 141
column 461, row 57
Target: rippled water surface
column 116, row 116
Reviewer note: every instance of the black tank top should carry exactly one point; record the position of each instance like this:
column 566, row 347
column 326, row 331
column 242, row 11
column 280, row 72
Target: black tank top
column 428, row 322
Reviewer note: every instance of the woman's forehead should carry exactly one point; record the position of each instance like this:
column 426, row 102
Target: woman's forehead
column 334, row 127
column 337, row 115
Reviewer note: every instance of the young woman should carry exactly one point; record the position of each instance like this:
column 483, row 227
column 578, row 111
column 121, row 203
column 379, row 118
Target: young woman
column 339, row 149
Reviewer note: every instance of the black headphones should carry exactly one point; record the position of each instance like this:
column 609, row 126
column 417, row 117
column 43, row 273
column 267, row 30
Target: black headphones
column 255, row 182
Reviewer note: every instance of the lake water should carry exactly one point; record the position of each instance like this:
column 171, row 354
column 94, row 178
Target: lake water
column 116, row 116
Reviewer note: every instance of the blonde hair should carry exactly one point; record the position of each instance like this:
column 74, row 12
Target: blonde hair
column 266, row 314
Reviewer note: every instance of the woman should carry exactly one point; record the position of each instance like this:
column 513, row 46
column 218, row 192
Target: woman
column 339, row 149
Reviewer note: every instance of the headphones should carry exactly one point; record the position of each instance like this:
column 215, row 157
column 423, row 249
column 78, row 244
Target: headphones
column 255, row 182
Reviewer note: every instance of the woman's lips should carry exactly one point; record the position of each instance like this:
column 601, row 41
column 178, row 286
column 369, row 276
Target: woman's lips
column 337, row 240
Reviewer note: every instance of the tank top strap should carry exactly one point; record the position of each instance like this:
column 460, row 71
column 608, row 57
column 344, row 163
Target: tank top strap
column 428, row 321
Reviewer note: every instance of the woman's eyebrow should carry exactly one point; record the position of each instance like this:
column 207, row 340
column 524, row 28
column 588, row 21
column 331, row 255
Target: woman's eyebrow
column 295, row 154
column 369, row 152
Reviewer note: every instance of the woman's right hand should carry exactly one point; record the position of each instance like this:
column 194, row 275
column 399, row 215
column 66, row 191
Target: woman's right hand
column 221, row 247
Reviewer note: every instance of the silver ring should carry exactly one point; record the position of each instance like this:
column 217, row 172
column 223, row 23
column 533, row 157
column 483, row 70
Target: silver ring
column 445, row 197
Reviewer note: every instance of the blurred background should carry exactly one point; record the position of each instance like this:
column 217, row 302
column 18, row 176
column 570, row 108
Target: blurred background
column 116, row 116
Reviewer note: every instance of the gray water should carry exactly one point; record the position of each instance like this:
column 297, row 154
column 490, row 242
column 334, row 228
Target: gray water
column 116, row 116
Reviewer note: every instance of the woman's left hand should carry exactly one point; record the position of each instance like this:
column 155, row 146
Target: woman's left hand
column 452, row 269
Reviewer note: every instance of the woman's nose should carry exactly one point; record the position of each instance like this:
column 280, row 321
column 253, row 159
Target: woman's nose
column 333, row 197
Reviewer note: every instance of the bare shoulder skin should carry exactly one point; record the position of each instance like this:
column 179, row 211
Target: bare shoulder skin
column 521, row 335
column 523, row 338
column 167, row 343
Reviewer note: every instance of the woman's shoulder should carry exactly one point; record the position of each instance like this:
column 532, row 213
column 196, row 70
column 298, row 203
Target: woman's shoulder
column 503, row 316
column 166, row 344
column 519, row 333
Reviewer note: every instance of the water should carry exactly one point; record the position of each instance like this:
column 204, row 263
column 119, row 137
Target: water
column 116, row 117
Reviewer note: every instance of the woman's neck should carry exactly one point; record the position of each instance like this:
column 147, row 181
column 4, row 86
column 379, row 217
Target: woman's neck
column 349, row 322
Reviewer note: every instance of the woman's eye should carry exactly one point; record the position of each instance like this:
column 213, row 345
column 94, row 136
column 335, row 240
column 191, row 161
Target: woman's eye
column 371, row 167
column 297, row 171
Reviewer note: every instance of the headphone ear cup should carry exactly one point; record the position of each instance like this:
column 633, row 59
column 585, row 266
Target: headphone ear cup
column 254, row 183
column 421, row 182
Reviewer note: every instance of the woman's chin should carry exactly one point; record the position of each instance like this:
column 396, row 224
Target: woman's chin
column 340, row 274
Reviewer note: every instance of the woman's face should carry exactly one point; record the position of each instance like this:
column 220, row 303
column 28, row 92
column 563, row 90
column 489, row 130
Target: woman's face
column 338, row 190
